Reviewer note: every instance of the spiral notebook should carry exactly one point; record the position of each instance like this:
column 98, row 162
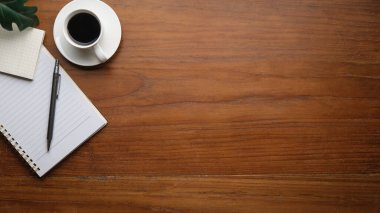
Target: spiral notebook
column 24, row 113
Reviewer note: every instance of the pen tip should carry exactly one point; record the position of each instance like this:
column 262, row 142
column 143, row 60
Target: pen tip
column 48, row 145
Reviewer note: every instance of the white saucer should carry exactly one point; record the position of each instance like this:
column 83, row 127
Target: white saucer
column 109, row 42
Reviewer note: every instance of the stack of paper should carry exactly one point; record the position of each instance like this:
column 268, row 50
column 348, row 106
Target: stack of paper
column 24, row 104
column 19, row 51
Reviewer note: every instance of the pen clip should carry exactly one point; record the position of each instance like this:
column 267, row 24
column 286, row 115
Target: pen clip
column 59, row 85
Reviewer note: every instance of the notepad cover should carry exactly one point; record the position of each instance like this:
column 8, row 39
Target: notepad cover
column 19, row 51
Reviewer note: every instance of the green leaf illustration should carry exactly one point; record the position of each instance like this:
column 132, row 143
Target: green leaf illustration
column 14, row 11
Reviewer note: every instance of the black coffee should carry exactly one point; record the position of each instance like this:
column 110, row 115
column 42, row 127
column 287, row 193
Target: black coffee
column 84, row 28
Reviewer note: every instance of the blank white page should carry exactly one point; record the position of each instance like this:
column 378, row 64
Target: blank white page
column 24, row 111
column 19, row 51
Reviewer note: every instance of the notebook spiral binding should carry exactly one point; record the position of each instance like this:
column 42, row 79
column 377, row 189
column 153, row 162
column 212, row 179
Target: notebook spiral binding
column 18, row 148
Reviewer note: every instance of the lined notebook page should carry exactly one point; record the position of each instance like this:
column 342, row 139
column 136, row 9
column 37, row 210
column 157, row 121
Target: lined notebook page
column 24, row 111
column 19, row 51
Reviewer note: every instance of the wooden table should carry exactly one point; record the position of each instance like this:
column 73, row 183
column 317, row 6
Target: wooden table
column 222, row 106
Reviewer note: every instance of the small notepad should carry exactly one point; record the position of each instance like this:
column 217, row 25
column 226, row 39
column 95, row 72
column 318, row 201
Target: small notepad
column 24, row 114
column 19, row 51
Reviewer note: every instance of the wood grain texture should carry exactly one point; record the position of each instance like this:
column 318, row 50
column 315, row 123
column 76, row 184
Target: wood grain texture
column 347, row 193
column 222, row 106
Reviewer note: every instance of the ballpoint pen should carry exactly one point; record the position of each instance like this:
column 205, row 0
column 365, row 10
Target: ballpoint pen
column 53, row 101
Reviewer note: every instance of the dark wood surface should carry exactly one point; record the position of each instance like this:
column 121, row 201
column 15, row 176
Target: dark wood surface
column 222, row 106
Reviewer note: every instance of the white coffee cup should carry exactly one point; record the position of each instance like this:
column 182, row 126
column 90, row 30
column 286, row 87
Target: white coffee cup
column 75, row 35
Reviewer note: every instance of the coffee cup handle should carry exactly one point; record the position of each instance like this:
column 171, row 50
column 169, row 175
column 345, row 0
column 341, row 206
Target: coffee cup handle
column 100, row 53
